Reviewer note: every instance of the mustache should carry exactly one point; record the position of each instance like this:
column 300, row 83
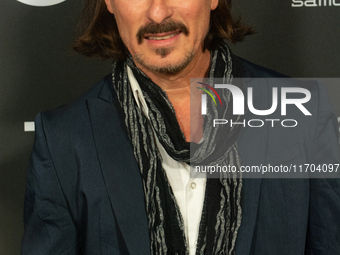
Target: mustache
column 163, row 27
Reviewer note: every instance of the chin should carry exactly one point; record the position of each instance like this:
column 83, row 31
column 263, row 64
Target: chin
column 165, row 64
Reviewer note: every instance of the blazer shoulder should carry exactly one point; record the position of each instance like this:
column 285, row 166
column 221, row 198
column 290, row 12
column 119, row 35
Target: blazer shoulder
column 74, row 111
column 251, row 70
column 70, row 123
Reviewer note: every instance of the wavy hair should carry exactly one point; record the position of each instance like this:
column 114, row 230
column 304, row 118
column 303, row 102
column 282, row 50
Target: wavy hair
column 97, row 33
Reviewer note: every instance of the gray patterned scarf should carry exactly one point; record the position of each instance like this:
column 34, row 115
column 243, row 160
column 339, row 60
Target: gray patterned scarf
column 221, row 215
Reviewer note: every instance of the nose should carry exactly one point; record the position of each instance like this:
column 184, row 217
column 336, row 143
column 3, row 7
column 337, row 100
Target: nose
column 159, row 10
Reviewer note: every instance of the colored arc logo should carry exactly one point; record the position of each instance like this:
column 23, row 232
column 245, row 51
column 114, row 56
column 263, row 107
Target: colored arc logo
column 213, row 90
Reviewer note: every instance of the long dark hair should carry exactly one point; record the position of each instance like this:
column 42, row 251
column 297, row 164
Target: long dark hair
column 97, row 32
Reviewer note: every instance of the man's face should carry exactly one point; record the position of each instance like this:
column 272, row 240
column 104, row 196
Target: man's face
column 163, row 36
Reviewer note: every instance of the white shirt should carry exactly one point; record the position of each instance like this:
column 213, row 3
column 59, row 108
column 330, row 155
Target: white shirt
column 189, row 192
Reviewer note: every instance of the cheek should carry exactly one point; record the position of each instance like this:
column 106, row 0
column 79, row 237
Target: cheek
column 124, row 26
column 128, row 22
column 128, row 36
column 201, row 26
column 199, row 18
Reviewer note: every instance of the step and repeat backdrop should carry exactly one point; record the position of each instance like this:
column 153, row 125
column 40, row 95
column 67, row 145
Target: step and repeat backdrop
column 39, row 71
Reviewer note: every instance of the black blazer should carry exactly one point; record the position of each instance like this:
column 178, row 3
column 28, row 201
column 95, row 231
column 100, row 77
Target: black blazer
column 84, row 192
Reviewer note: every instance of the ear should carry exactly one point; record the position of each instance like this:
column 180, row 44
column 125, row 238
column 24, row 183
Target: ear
column 109, row 6
column 214, row 4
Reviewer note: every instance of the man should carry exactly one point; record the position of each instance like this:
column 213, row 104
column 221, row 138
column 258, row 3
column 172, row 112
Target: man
column 109, row 174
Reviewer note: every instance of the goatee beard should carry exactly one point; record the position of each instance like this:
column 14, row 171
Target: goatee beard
column 167, row 69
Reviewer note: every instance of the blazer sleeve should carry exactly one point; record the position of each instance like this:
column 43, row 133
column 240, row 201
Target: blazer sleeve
column 323, row 235
column 49, row 228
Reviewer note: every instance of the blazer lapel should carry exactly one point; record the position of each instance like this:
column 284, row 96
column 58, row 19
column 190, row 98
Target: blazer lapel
column 251, row 188
column 120, row 171
column 252, row 149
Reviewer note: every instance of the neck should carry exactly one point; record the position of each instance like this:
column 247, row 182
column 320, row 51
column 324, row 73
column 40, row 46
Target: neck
column 177, row 87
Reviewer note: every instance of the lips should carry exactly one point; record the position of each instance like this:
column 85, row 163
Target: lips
column 162, row 32
column 161, row 36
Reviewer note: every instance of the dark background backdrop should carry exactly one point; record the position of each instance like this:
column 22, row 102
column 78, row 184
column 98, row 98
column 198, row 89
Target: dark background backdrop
column 39, row 71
